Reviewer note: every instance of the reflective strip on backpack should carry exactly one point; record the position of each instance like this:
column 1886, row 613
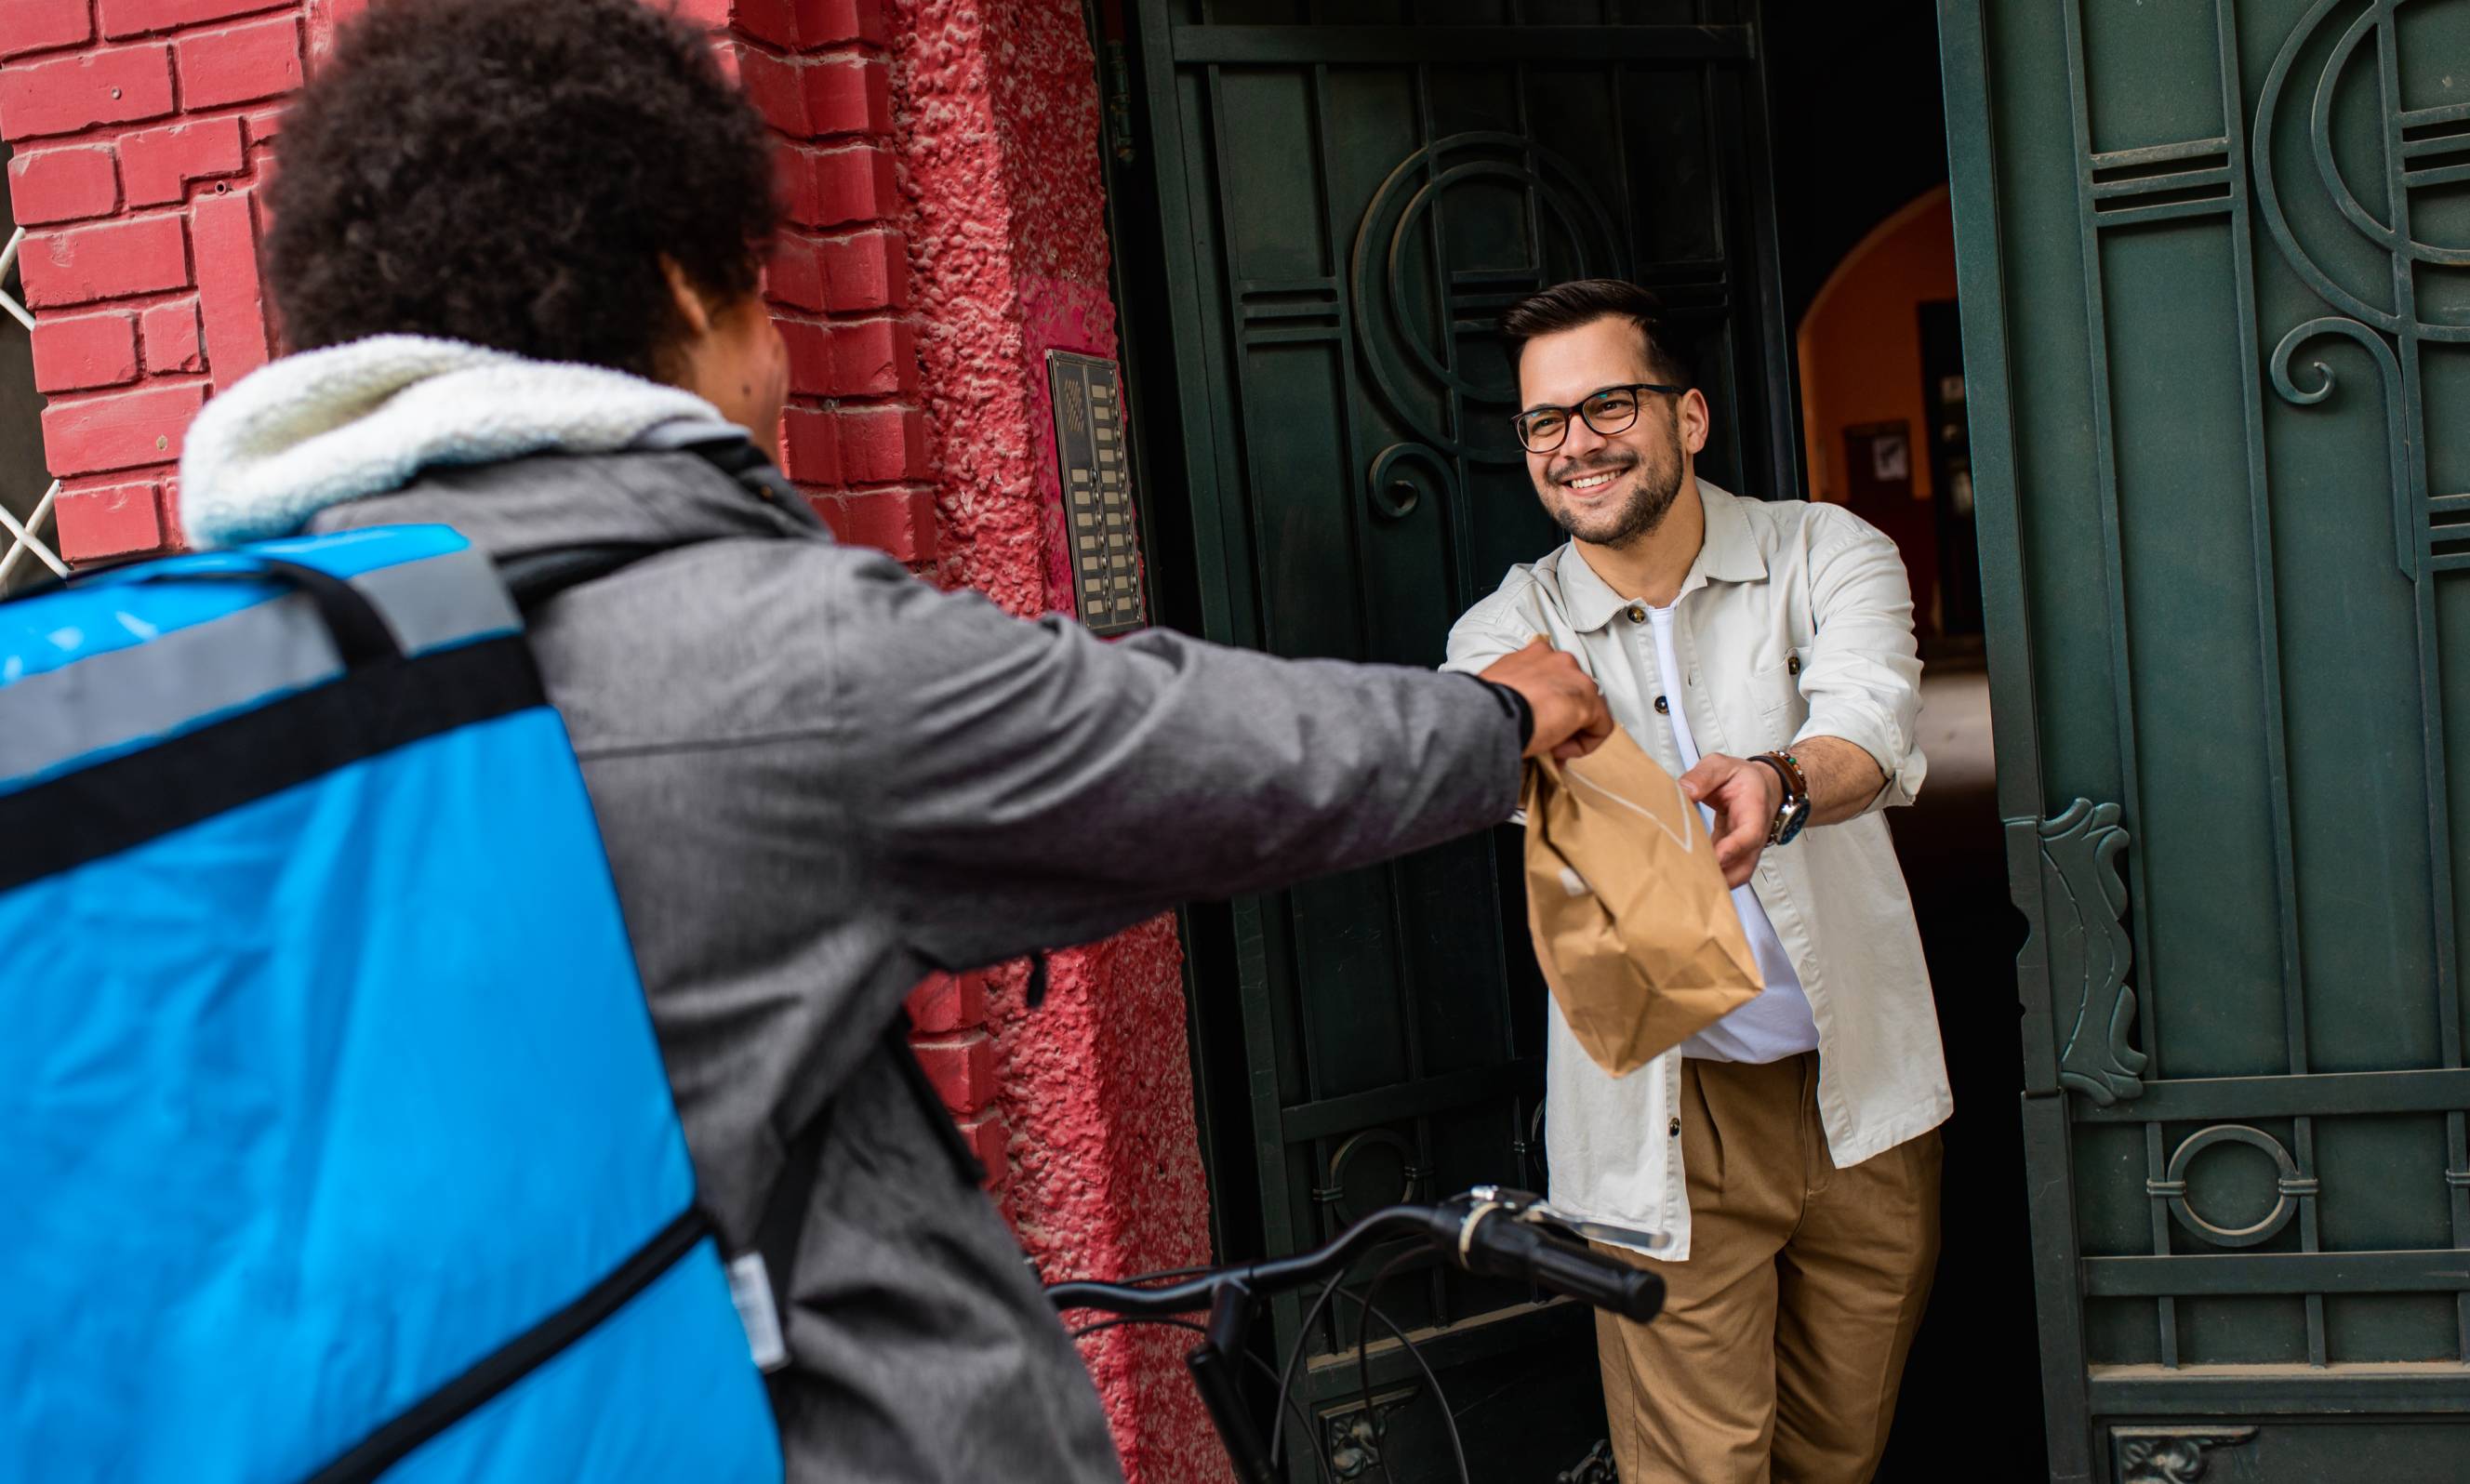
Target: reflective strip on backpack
column 118, row 699
column 440, row 600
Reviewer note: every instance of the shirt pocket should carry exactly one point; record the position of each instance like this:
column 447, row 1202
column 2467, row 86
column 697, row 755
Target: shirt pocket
column 1782, row 707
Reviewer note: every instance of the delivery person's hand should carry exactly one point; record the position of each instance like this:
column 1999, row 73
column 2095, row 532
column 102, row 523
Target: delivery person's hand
column 1570, row 716
column 1745, row 797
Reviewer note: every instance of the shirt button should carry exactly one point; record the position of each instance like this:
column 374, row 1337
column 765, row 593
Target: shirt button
column 1792, row 665
column 1638, row 612
column 1662, row 706
column 1675, row 1129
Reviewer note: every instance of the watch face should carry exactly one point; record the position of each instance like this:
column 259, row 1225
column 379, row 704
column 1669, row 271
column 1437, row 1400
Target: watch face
column 1794, row 819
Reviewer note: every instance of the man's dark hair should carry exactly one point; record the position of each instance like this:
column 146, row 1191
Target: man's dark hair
column 510, row 173
column 1583, row 301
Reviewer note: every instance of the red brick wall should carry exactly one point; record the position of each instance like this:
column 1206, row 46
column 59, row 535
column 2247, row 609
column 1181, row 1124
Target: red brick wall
column 139, row 128
column 839, row 278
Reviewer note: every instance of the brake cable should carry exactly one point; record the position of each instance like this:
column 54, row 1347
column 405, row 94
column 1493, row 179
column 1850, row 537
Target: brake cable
column 1362, row 1355
column 1295, row 1357
column 1415, row 1353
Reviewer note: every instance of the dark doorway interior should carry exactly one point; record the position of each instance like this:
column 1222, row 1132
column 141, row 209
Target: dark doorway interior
column 1855, row 101
column 1878, row 488
column 1949, row 439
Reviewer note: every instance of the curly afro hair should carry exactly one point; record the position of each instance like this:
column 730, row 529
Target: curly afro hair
column 510, row 173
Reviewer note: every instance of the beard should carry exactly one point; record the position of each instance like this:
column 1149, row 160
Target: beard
column 1654, row 483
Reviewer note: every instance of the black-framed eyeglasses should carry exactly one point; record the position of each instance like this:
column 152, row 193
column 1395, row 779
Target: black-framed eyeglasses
column 1608, row 411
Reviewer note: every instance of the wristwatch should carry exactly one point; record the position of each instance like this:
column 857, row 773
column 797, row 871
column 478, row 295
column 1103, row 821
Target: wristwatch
column 1794, row 812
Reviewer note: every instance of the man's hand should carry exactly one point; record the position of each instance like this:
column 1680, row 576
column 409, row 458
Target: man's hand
column 1745, row 797
column 1570, row 716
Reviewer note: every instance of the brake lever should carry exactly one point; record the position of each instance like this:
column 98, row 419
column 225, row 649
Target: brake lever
column 1529, row 1207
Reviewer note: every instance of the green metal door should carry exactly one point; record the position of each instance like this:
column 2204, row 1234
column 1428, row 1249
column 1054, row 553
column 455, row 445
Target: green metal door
column 1351, row 191
column 2215, row 269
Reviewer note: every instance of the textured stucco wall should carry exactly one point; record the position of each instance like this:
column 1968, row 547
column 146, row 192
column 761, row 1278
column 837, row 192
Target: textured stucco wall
column 995, row 111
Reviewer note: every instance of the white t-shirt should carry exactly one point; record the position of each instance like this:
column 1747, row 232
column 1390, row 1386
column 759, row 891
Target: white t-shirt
column 1777, row 1024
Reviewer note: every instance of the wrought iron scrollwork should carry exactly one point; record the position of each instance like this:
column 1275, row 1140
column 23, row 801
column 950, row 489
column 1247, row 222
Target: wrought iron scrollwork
column 2425, row 534
column 2172, row 1454
column 1352, row 1441
column 1402, row 473
column 2405, row 525
column 2376, row 346
column 1596, row 1468
column 2088, row 952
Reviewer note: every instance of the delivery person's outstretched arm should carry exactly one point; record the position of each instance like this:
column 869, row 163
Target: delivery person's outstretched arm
column 1029, row 785
column 1567, row 714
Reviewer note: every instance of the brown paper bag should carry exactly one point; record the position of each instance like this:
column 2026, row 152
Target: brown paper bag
column 1633, row 923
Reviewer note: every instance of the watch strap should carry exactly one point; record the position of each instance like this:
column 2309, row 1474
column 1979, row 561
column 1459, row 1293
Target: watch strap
column 1795, row 807
column 1783, row 776
column 1796, row 783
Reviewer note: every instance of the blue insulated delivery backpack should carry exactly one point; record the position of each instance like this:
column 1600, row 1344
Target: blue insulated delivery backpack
column 335, row 1142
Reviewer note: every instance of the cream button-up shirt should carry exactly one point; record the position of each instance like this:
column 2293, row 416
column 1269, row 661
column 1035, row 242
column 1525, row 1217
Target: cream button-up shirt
column 1796, row 620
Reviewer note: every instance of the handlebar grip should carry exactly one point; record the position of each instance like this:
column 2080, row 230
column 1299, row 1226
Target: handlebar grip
column 1607, row 1282
column 1514, row 1249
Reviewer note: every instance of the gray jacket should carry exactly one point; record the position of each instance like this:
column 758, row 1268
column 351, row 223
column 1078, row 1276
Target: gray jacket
column 819, row 779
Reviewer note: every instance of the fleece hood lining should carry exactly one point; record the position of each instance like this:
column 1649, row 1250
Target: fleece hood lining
column 325, row 427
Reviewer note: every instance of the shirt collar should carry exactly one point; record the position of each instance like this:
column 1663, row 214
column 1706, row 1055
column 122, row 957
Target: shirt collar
column 1589, row 601
column 1729, row 553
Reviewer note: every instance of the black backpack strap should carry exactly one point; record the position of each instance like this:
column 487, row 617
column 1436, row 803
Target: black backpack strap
column 486, row 1378
column 784, row 1214
column 537, row 576
column 753, row 470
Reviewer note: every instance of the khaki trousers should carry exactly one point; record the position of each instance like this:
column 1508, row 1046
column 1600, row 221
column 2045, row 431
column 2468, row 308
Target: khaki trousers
column 1782, row 1338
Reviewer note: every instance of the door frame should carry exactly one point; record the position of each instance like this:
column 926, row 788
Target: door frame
column 2048, row 1147
column 1187, row 417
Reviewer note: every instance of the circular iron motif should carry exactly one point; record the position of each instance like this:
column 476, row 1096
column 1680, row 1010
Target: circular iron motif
column 1415, row 300
column 2291, row 1186
column 1348, row 1168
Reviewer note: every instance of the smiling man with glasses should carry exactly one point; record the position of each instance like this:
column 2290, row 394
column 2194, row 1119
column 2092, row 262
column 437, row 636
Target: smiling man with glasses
column 1764, row 653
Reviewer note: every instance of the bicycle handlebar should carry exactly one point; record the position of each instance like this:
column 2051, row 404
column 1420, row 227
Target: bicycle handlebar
column 1495, row 1237
column 1507, row 1247
column 1489, row 1231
